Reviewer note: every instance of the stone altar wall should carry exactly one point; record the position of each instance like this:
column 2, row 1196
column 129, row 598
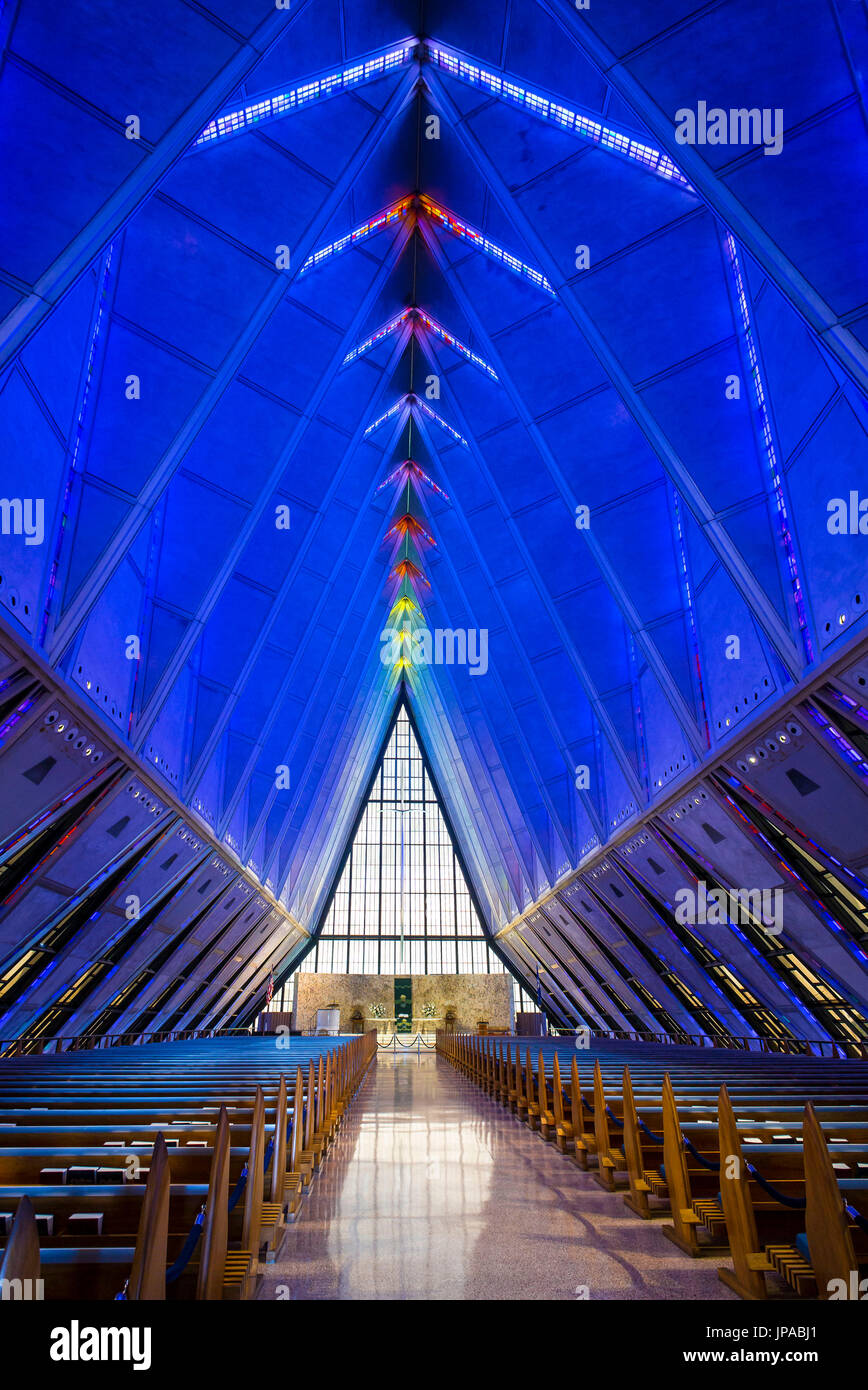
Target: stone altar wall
column 470, row 997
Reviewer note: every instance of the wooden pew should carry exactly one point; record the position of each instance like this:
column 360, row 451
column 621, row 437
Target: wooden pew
column 685, row 1220
column 147, row 1281
column 531, row 1103
column 75, row 1268
column 639, row 1178
column 787, row 1141
column 583, row 1138
column 222, row 1272
column 309, row 1156
column 98, row 1260
column 691, row 1183
column 210, row 1281
column 764, row 1238
column 565, row 1128
column 750, row 1262
column 557, row 1128
column 828, row 1229
column 20, row 1267
column 690, row 1171
column 515, row 1083
column 272, row 1214
column 240, row 1275
column 546, row 1111
column 610, row 1157
column 293, row 1183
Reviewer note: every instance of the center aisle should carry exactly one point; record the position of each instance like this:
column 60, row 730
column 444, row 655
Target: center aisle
column 434, row 1192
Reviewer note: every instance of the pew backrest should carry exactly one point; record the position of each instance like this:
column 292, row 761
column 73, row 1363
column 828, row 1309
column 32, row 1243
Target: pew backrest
column 255, row 1180
column 21, row 1256
column 215, row 1230
column 826, row 1227
column 147, row 1279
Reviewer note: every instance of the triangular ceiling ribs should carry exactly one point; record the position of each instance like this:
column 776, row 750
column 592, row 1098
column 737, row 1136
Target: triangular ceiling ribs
column 416, row 360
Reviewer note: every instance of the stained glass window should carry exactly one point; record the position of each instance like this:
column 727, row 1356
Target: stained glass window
column 402, row 904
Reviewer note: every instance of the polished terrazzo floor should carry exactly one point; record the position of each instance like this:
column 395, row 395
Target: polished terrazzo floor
column 433, row 1191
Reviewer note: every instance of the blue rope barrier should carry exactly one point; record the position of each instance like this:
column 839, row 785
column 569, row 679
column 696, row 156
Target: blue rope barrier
column 658, row 1138
column 854, row 1215
column 177, row 1269
column 187, row 1250
column 588, row 1106
column 238, row 1188
column 614, row 1118
column 700, row 1158
column 796, row 1203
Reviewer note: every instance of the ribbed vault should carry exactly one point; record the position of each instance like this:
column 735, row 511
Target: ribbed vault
column 420, row 321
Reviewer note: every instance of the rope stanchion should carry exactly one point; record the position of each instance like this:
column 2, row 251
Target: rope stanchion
column 393, row 1042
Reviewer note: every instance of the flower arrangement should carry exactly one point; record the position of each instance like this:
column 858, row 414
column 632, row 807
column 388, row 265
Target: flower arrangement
column 378, row 1011
column 429, row 1010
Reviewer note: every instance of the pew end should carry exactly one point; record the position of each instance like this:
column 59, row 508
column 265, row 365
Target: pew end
column 147, row 1281
column 21, row 1258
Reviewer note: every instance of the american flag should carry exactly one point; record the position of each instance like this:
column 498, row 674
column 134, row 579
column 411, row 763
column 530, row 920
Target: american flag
column 269, row 992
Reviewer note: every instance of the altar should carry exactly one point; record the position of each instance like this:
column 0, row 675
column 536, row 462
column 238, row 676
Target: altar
column 404, row 1004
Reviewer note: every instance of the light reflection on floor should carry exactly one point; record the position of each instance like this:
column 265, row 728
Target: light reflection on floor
column 434, row 1192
